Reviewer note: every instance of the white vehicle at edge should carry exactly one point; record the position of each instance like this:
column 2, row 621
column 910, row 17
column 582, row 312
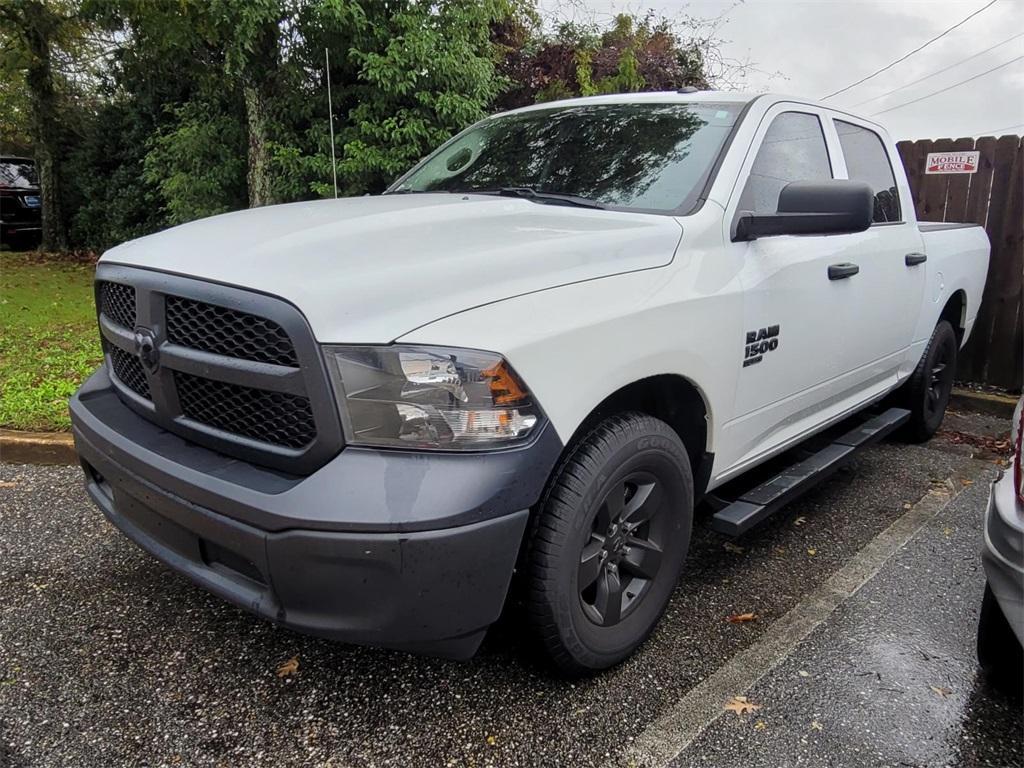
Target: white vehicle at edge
column 785, row 286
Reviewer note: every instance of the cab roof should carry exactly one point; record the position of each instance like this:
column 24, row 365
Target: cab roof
column 688, row 97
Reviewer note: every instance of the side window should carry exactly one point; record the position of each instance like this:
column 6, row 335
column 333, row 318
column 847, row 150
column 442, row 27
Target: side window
column 867, row 161
column 793, row 149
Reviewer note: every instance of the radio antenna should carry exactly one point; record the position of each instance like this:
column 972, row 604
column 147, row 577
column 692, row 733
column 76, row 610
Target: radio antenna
column 330, row 113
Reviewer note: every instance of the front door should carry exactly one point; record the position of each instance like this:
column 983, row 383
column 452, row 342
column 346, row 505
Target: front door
column 795, row 358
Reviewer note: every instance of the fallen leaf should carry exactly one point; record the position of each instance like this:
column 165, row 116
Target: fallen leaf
column 800, row 520
column 741, row 705
column 734, row 548
column 7, row 484
column 289, row 667
column 947, row 531
column 739, row 618
column 965, row 482
column 997, row 445
column 760, row 725
column 804, row 673
column 812, row 551
column 491, row 741
column 939, row 691
column 815, row 725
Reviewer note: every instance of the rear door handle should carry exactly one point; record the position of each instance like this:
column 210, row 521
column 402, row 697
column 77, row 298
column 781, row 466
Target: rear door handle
column 913, row 259
column 842, row 271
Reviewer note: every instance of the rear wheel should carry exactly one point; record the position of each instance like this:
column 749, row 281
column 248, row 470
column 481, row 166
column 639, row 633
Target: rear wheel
column 608, row 542
column 929, row 387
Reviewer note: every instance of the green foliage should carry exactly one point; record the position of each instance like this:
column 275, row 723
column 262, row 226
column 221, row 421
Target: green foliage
column 170, row 111
column 49, row 344
column 636, row 54
column 15, row 132
column 198, row 164
column 424, row 72
column 108, row 192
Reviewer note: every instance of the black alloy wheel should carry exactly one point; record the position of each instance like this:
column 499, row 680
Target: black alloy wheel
column 607, row 542
column 927, row 391
column 624, row 553
column 941, row 369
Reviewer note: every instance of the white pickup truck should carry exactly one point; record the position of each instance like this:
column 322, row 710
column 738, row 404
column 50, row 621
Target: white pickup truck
column 531, row 357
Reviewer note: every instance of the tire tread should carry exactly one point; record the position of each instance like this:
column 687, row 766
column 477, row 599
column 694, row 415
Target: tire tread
column 553, row 519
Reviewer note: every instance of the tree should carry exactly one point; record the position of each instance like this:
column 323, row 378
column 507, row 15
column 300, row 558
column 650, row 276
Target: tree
column 144, row 114
column 33, row 31
column 636, row 54
column 424, row 72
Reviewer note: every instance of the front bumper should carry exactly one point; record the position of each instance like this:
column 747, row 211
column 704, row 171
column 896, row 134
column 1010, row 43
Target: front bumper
column 404, row 550
column 1003, row 555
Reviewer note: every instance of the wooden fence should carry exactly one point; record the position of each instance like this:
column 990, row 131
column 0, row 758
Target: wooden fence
column 991, row 197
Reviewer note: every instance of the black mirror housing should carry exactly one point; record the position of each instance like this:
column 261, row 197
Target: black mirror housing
column 833, row 207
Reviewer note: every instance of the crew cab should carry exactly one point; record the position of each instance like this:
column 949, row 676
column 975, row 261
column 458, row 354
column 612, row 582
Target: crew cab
column 531, row 357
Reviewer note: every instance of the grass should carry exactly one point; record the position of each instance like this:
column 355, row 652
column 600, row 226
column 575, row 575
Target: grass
column 49, row 342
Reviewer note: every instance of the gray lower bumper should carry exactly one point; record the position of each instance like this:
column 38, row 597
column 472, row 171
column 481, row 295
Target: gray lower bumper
column 303, row 552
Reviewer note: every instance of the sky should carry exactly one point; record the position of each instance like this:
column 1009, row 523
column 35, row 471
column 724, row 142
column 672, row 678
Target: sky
column 813, row 48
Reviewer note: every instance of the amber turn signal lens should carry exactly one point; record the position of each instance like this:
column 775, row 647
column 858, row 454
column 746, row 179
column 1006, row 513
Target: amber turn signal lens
column 506, row 389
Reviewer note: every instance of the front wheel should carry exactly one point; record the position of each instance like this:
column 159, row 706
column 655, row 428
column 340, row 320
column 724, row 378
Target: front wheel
column 929, row 387
column 608, row 542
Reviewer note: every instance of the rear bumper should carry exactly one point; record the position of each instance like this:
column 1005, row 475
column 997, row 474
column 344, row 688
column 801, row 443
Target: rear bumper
column 1003, row 555
column 392, row 549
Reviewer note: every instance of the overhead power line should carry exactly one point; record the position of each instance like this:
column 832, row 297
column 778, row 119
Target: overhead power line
column 939, row 71
column 911, row 53
column 949, row 87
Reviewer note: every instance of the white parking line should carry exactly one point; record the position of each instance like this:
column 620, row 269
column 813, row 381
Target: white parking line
column 673, row 732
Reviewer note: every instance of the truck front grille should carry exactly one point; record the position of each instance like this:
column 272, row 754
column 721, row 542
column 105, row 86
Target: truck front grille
column 270, row 417
column 117, row 302
column 229, row 369
column 128, row 371
column 224, row 331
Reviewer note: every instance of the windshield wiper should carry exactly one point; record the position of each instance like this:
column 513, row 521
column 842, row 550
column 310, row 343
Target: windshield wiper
column 529, row 193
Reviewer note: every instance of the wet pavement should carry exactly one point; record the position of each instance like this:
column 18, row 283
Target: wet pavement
column 890, row 678
column 108, row 658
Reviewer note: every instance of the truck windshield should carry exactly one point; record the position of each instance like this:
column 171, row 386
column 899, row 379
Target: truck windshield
column 18, row 173
column 646, row 156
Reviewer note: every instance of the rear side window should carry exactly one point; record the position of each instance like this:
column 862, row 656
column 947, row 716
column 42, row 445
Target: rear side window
column 793, row 149
column 867, row 161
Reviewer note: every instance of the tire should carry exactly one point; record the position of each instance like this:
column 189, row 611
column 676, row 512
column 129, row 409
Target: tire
column 631, row 469
column 927, row 391
column 999, row 652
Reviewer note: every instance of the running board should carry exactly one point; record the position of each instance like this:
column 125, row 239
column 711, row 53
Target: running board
column 758, row 504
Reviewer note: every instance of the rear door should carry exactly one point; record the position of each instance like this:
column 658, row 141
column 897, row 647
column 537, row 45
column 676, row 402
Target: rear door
column 890, row 256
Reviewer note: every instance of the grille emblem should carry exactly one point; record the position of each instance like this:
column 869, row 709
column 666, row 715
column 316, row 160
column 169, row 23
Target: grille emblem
column 146, row 349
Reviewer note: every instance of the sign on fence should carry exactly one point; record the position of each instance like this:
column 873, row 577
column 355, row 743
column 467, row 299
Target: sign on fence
column 981, row 181
column 952, row 162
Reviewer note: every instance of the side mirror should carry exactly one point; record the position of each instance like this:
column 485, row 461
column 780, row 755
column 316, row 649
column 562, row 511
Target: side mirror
column 833, row 207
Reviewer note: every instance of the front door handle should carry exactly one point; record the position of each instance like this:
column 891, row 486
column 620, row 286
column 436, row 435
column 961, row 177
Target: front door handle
column 913, row 259
column 842, row 271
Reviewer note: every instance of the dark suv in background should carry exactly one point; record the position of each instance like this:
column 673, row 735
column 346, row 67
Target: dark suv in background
column 20, row 202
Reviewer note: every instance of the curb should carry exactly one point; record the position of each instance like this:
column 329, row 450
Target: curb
column 990, row 403
column 37, row 447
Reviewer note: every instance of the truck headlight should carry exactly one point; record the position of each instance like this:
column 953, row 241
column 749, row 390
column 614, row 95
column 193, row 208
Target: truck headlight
column 430, row 397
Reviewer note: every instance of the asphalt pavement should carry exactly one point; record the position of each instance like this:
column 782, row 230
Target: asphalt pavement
column 865, row 594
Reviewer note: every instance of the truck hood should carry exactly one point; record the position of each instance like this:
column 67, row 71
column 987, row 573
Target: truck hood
column 370, row 269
